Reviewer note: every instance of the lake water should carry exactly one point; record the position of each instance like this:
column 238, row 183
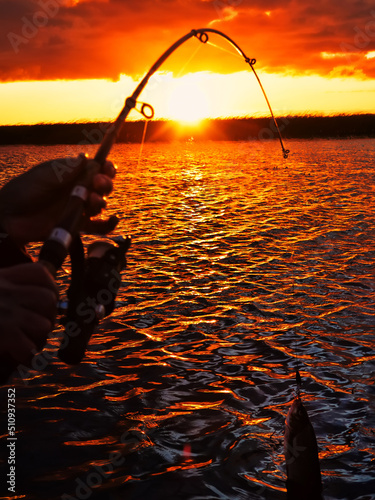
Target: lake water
column 243, row 266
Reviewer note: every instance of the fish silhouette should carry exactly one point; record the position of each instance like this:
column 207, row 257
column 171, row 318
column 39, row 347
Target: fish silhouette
column 301, row 455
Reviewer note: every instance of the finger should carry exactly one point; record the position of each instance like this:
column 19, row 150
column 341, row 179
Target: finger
column 73, row 167
column 40, row 184
column 19, row 347
column 101, row 226
column 32, row 273
column 109, row 169
column 57, row 173
column 25, row 332
column 67, row 170
column 35, row 327
column 38, row 300
column 102, row 184
column 96, row 204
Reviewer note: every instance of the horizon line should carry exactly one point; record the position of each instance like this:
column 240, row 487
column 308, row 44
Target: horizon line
column 199, row 122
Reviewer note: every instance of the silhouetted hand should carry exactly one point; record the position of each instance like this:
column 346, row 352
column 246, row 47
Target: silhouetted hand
column 28, row 297
column 31, row 204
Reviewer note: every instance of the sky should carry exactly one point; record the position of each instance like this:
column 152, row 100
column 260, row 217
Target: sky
column 76, row 60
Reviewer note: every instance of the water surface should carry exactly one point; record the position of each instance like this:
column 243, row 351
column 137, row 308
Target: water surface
column 243, row 266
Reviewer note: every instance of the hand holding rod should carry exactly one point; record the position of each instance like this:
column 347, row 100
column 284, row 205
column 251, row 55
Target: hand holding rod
column 56, row 247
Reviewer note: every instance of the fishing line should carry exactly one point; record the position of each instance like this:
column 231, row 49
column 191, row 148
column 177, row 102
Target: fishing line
column 195, row 52
column 142, row 143
column 251, row 64
column 285, row 151
column 234, row 54
column 202, row 35
column 298, row 381
column 298, row 378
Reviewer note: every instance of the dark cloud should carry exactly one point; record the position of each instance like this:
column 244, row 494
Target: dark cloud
column 63, row 39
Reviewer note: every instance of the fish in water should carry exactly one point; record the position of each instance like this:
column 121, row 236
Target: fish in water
column 301, row 455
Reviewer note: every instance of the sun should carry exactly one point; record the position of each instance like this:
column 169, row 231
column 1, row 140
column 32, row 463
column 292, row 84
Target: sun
column 188, row 103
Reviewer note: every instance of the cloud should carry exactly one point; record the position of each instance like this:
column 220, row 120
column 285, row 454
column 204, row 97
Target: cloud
column 75, row 39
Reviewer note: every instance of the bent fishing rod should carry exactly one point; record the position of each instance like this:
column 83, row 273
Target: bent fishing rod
column 56, row 248
column 65, row 237
column 130, row 103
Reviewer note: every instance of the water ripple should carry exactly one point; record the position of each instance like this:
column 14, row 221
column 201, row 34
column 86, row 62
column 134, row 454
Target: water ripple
column 243, row 267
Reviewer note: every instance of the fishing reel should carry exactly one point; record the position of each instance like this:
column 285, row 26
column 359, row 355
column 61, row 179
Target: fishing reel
column 94, row 284
column 95, row 281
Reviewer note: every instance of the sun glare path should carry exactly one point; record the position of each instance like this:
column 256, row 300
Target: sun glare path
column 188, row 103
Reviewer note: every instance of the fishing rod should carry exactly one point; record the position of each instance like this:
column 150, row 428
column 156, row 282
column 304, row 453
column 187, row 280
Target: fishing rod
column 65, row 238
column 56, row 247
column 130, row 103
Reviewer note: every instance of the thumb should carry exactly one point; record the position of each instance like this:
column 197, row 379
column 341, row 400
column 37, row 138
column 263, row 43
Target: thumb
column 101, row 226
column 64, row 171
column 40, row 186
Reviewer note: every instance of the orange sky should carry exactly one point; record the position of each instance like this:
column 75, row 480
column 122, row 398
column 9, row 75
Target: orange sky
column 65, row 60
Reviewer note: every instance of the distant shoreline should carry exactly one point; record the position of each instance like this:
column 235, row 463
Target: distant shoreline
column 230, row 129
